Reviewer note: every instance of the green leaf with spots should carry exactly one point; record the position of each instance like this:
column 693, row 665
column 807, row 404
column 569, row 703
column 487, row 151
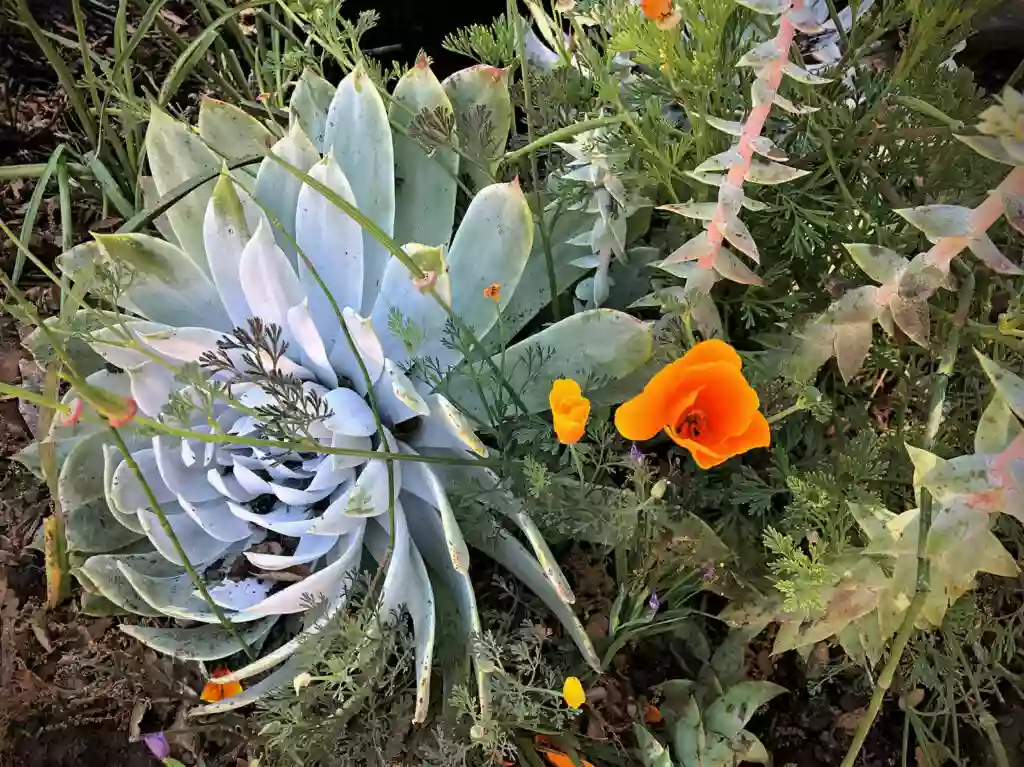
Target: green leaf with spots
column 731, row 712
column 1009, row 386
column 200, row 643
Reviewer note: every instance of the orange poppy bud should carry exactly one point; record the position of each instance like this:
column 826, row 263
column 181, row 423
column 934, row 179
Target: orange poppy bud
column 652, row 714
column 573, row 693
column 493, row 292
column 569, row 409
column 703, row 402
column 214, row 691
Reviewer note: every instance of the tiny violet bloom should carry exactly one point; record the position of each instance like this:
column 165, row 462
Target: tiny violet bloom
column 708, row 571
column 573, row 693
column 654, row 604
column 157, row 744
column 636, row 456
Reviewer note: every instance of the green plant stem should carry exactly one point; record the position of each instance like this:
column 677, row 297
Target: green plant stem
column 844, row 38
column 35, row 170
column 785, row 413
column 197, row 579
column 826, row 143
column 988, row 726
column 923, row 586
column 560, row 135
column 524, row 72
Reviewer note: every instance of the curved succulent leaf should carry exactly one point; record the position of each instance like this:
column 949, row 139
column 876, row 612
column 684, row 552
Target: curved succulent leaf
column 425, row 176
column 359, row 139
column 165, row 285
column 594, row 347
column 200, row 643
column 311, row 101
column 277, row 188
column 231, row 133
column 483, row 110
column 176, row 155
column 511, row 555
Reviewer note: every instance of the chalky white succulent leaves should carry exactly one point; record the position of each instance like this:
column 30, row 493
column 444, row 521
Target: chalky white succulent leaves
column 259, row 246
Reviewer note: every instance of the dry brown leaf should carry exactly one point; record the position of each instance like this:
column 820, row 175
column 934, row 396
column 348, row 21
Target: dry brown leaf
column 849, row 720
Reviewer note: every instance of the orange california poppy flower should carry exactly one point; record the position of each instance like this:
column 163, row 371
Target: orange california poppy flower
column 557, row 758
column 661, row 12
column 570, row 410
column 214, row 691
column 703, row 403
column 652, row 714
column 493, row 292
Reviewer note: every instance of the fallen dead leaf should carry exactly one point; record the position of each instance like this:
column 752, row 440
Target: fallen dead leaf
column 42, row 637
column 849, row 720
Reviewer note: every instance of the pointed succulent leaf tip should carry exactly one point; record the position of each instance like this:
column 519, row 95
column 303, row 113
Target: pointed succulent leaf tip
column 71, row 415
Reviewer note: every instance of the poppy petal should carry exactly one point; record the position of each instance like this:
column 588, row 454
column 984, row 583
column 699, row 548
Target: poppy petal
column 230, row 689
column 564, row 389
column 757, row 434
column 712, row 350
column 212, row 692
column 727, row 401
column 704, row 457
column 568, row 431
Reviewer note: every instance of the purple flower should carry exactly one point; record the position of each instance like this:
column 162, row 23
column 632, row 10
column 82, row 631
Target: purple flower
column 654, row 604
column 708, row 571
column 636, row 457
column 157, row 744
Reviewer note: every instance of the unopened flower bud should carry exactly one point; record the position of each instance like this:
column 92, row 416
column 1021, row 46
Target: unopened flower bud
column 658, row 491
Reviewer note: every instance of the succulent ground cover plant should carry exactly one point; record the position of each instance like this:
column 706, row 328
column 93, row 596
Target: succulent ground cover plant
column 263, row 409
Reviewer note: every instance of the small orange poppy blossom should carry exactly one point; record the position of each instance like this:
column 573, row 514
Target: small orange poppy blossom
column 493, row 292
column 557, row 758
column 661, row 12
column 214, row 691
column 703, row 403
column 570, row 410
column 652, row 714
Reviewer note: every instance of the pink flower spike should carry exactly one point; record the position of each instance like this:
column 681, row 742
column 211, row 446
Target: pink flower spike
column 131, row 408
column 426, row 282
column 71, row 417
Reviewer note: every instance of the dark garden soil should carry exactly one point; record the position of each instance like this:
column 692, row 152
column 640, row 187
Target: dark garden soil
column 74, row 691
